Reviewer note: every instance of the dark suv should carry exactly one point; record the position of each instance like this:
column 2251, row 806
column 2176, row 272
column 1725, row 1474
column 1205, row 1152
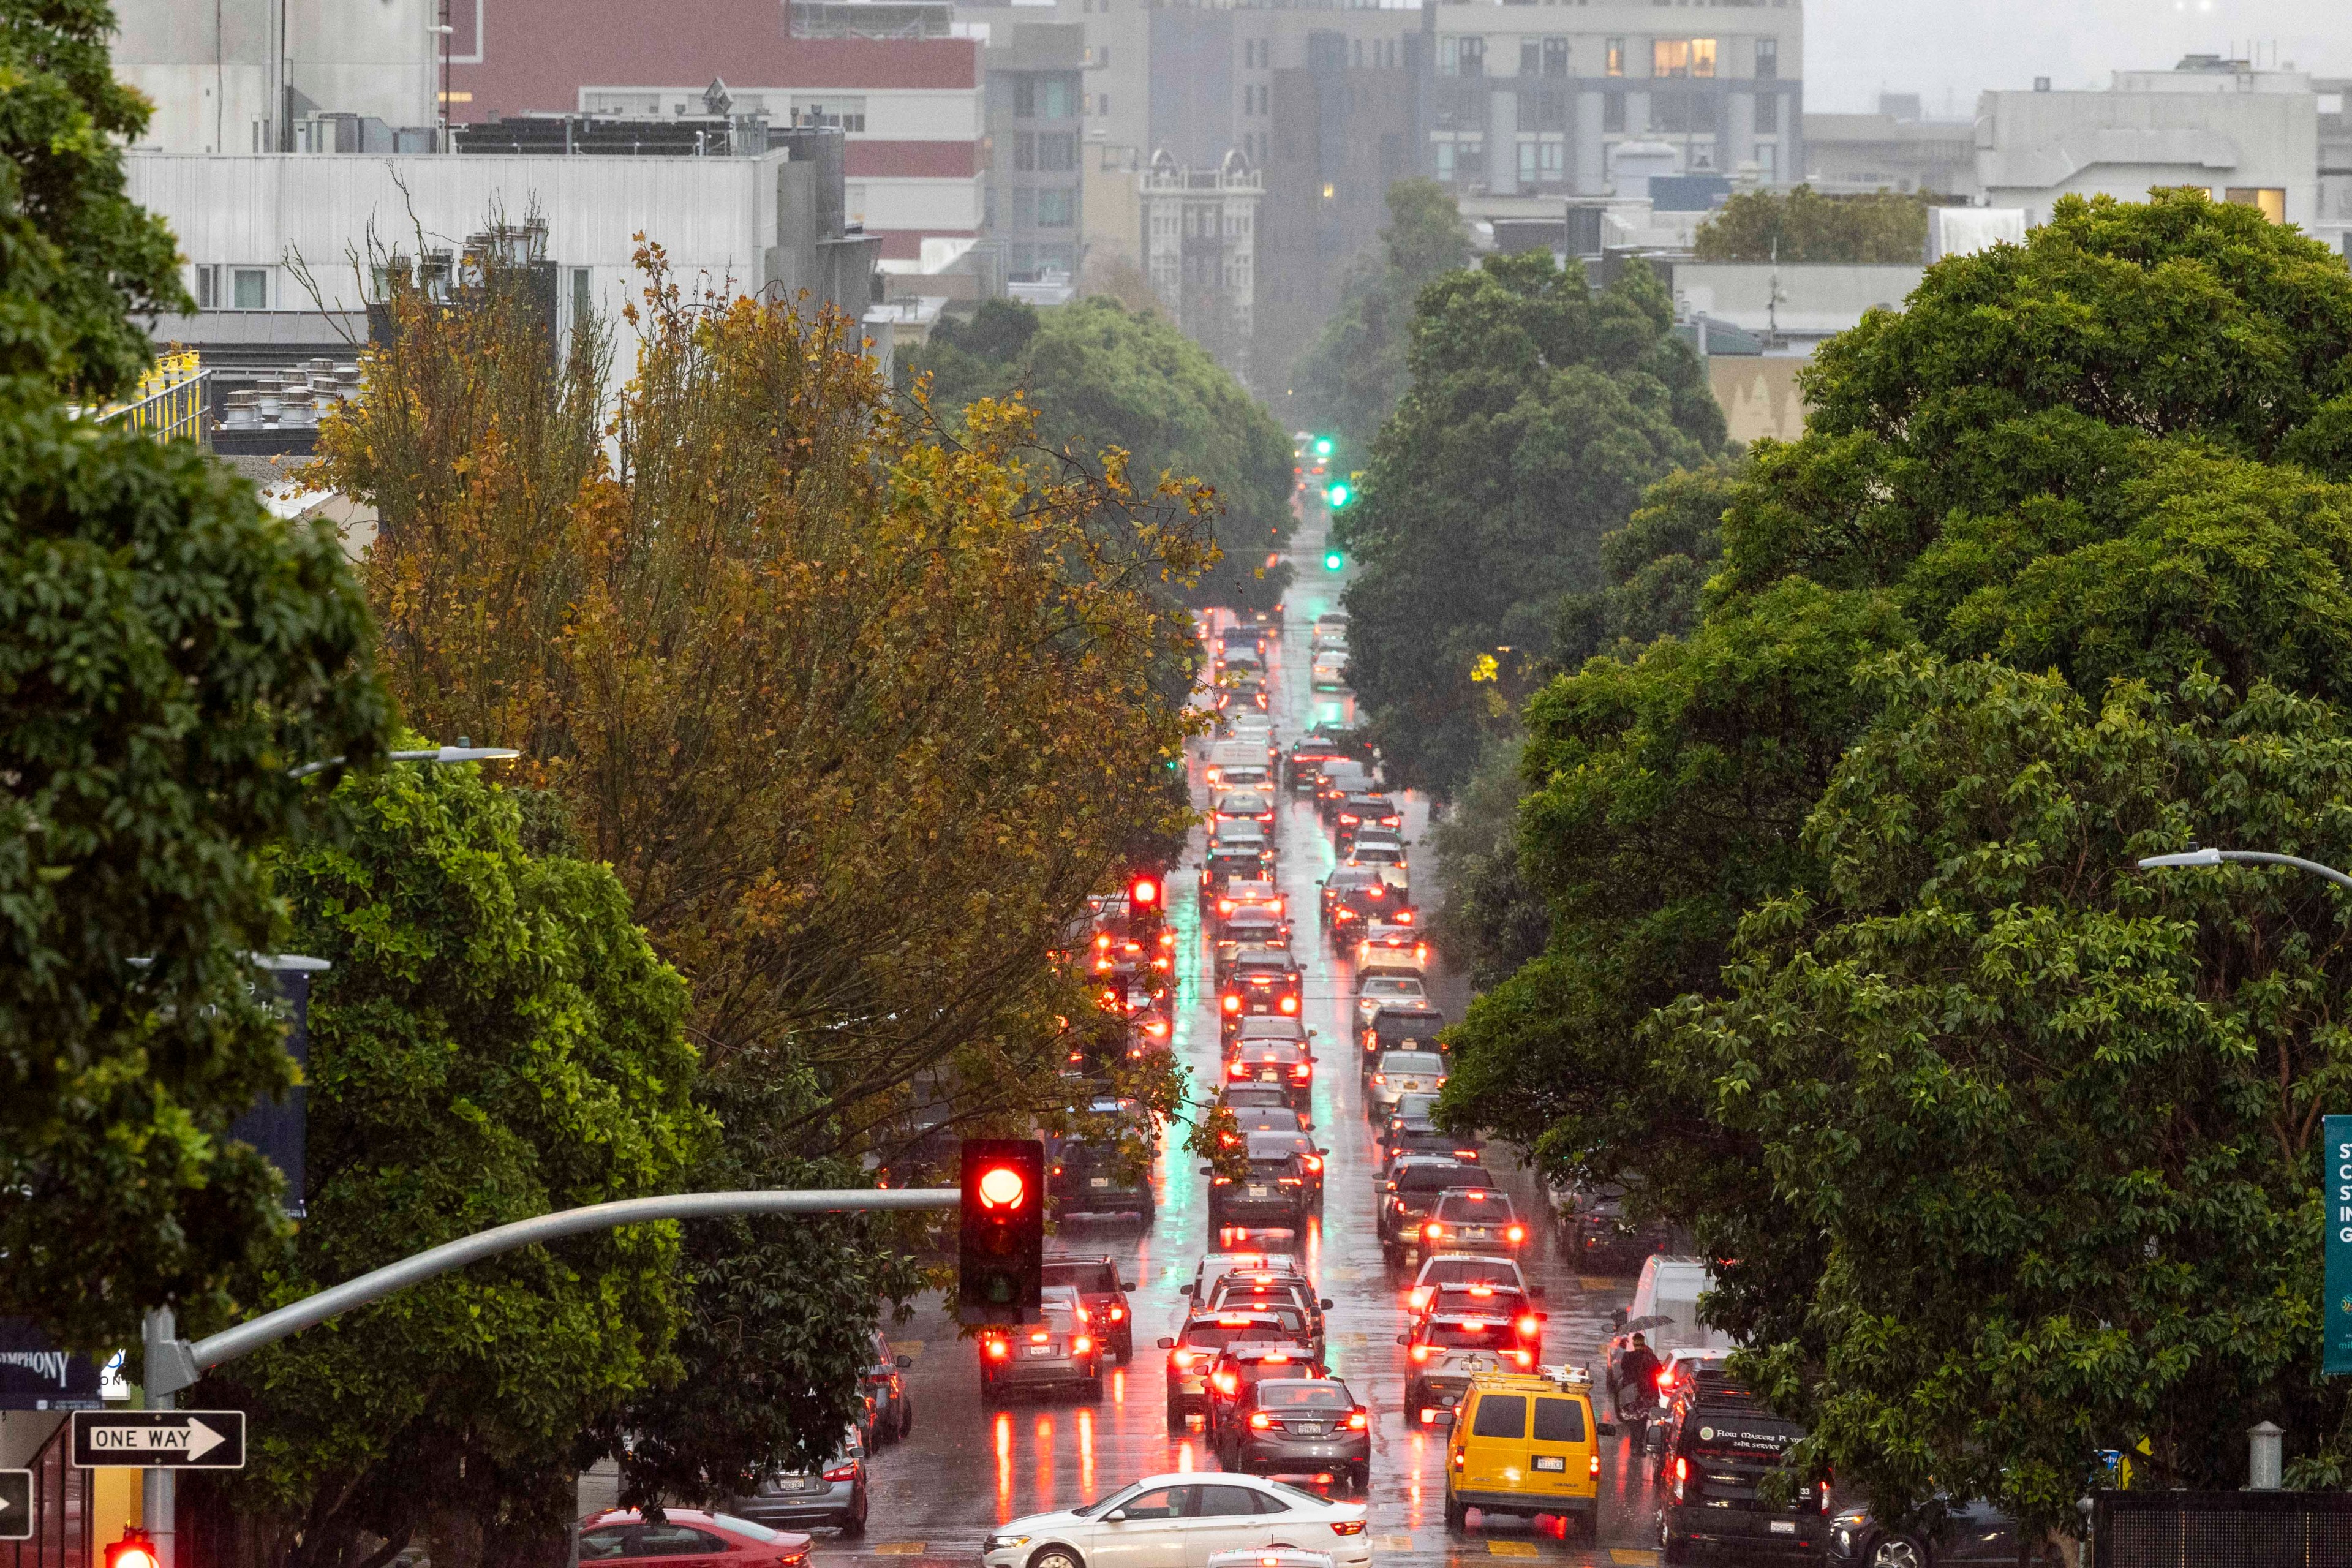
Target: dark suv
column 1720, row 1444
column 1408, row 1196
column 1104, row 1296
column 1098, row 1178
column 1271, row 1193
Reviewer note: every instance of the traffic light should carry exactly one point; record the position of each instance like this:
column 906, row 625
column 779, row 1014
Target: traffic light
column 135, row 1549
column 1143, row 893
column 1000, row 1265
column 1333, row 561
column 1322, row 445
column 1339, row 494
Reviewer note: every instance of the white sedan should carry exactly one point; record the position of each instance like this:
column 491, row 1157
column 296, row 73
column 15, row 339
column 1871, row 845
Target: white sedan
column 1378, row 991
column 1184, row 1520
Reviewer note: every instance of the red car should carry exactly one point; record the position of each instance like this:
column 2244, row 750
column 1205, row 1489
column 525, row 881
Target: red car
column 688, row 1537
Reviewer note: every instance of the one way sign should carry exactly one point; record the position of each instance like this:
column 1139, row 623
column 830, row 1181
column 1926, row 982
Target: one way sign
column 159, row 1440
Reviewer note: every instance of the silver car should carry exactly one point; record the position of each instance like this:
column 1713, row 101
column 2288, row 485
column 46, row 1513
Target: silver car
column 1378, row 991
column 1062, row 1351
column 1398, row 1074
column 834, row 1495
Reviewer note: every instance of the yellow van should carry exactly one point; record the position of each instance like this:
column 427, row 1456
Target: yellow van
column 1526, row 1443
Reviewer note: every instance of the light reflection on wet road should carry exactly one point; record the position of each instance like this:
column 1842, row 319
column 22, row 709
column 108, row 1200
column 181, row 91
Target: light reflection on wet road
column 966, row 1467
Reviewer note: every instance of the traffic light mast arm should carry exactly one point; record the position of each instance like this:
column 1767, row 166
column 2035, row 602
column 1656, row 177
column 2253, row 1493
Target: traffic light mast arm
column 174, row 1364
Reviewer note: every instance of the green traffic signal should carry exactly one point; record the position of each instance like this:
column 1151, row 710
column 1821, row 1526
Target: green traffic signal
column 1339, row 494
column 1333, row 561
column 1322, row 445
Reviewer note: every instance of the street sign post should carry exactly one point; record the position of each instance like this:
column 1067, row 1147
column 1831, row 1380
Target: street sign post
column 15, row 1505
column 2336, row 1305
column 159, row 1440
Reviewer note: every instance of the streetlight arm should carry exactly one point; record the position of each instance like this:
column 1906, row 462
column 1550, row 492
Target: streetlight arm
column 174, row 1364
column 2260, row 856
column 438, row 754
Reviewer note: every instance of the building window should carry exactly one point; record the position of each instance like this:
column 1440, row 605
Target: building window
column 1555, row 57
column 1554, row 168
column 1682, row 56
column 847, row 113
column 853, row 201
column 1102, row 103
column 1057, row 208
column 207, row 289
column 1024, row 152
column 1527, row 163
column 1458, row 55
column 2270, row 199
column 1767, row 58
column 583, row 302
column 1767, row 161
column 1768, row 111
column 1683, row 113
column 1612, row 112
column 1615, row 50
column 1530, row 57
column 1058, row 152
column 1445, row 160
column 249, row 289
column 1042, row 96
column 1359, row 53
column 1024, row 207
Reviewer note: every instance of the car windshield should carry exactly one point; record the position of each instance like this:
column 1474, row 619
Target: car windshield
column 1280, row 1393
column 1095, row 1278
column 1258, row 1118
column 1264, row 1028
column 1393, row 1029
column 1274, row 1145
column 1212, row 1333
column 1393, row 985
column 1269, row 1170
column 1470, row 1271
column 1415, row 1107
column 1252, row 1094
column 1412, row 1062
column 745, row 1527
column 1467, row 1334
column 1282, row 1052
column 1475, row 1208
column 1436, row 1178
column 1377, row 854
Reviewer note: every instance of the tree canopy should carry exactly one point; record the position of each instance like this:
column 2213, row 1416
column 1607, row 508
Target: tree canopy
column 1351, row 377
column 1848, row 972
column 1100, row 376
column 167, row 652
column 1539, row 411
column 1805, row 225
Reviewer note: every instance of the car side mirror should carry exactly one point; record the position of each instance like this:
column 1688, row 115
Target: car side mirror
column 1325, row 1152
column 1605, row 1428
column 1126, row 1284
column 1208, row 1170
column 1183, row 1289
column 1325, row 1303
column 1166, row 1343
column 1405, row 1339
column 905, row 1362
column 1116, row 1516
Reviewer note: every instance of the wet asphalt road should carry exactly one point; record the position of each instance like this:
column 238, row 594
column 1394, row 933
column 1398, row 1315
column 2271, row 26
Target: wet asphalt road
column 966, row 1468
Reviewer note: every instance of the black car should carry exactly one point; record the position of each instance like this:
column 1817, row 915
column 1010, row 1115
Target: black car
column 1599, row 1234
column 1270, row 1194
column 1237, row 863
column 1720, row 1443
column 1365, row 813
column 1279, row 1063
column 1099, row 1178
column 1102, row 1293
column 1945, row 1531
column 1401, row 1029
column 1339, row 781
column 1304, row 1427
column 1299, row 764
column 1270, row 1145
column 1410, row 1193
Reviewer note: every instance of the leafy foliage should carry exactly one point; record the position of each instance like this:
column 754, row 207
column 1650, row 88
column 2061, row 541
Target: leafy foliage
column 1804, row 225
column 1540, row 409
column 495, row 1040
column 1353, row 374
column 167, row 652
column 1845, row 973
column 1101, row 377
column 1655, row 568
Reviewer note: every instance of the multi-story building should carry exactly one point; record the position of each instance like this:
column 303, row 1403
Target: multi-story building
column 2245, row 134
column 1528, row 102
column 2335, row 161
column 260, row 76
column 1892, row 150
column 1035, row 202
column 1200, row 235
column 1340, row 134
column 889, row 74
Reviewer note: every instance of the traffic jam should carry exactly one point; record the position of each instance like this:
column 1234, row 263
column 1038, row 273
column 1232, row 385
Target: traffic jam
column 1357, row 1330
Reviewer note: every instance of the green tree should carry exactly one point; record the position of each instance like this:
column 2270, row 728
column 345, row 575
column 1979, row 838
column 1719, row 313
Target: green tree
column 1539, row 411
column 495, row 1040
column 1351, row 377
column 167, row 652
column 1803, row 225
column 1838, row 843
column 1099, row 377
column 1654, row 568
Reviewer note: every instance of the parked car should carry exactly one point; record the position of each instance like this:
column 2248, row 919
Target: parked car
column 1720, row 1445
column 833, row 1496
column 1945, row 1532
column 622, row 1535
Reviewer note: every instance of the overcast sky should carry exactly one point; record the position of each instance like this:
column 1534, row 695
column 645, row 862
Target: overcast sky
column 1950, row 50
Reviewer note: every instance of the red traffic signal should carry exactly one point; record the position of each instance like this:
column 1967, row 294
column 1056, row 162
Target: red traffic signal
column 135, row 1549
column 1001, row 1255
column 1144, row 891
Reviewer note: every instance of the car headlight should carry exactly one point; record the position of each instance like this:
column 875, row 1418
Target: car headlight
column 1003, row 1542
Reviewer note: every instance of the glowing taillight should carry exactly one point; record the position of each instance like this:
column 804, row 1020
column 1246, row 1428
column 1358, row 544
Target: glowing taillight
column 842, row 1472
column 1181, row 1360
column 1529, row 1325
column 1434, row 1231
column 1429, row 1418
column 1682, row 1474
column 1380, row 1077
column 1261, row 1421
column 998, row 1350
column 1419, row 1297
column 1421, row 1352
column 1290, row 1004
column 1525, row 1358
column 1313, row 1162
column 1224, row 906
column 1081, row 1345
column 1117, row 1313
column 1232, row 1002
column 1360, row 1421
column 1302, row 1072
column 1594, row 1467
column 1239, row 1069
column 1517, row 1232
column 1226, row 1382
column 1665, row 1378
column 1825, row 1497
column 1040, row 1337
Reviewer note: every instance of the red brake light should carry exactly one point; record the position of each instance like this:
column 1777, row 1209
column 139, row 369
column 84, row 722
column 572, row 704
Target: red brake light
column 1117, row 1313
column 1232, row 1002
column 1313, row 1163
column 1039, row 1336
column 1303, row 1071
column 1239, row 1069
column 1226, row 1382
column 1594, row 1468
column 1290, row 1005
column 1665, row 1379
column 1081, row 1345
column 1224, row 906
column 998, row 1350
column 1421, row 1352
column 1529, row 1325
column 1380, row 1077
column 1180, row 1360
column 1260, row 1421
column 1517, row 1232
column 1434, row 1231
column 1347, row 1527
column 1363, row 1419
column 1525, row 1358
column 842, row 1472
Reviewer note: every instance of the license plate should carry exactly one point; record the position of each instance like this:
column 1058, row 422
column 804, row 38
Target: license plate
column 1784, row 1527
column 1446, row 1401
column 1475, row 1233
column 1411, row 1083
column 1041, row 1349
column 1270, row 1076
column 1550, row 1462
column 1100, row 1182
column 1258, row 1192
column 1308, row 1428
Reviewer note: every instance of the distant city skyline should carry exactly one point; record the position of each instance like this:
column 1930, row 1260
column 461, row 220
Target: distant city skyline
column 1855, row 49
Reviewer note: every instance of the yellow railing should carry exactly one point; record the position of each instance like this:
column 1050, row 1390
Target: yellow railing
column 169, row 402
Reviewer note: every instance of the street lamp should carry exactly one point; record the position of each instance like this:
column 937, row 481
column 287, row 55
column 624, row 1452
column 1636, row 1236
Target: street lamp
column 460, row 753
column 2197, row 855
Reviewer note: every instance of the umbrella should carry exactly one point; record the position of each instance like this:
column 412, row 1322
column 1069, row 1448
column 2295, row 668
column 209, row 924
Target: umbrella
column 1650, row 1321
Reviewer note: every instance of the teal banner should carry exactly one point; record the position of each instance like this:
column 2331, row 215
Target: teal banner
column 2335, row 1350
